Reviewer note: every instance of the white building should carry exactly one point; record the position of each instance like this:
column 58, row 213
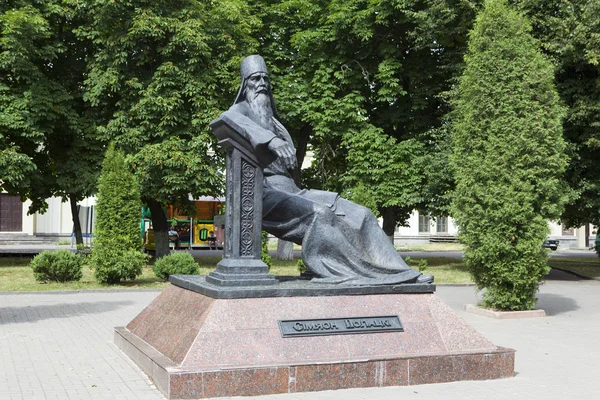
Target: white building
column 423, row 228
column 55, row 224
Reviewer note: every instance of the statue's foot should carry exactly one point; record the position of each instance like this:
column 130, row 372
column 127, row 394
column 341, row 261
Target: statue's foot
column 424, row 279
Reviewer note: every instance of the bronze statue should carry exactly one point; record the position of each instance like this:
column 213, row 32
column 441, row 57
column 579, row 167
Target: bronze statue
column 341, row 241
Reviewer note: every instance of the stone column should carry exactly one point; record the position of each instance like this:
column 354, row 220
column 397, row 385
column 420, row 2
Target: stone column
column 241, row 264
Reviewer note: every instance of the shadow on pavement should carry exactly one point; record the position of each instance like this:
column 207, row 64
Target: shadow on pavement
column 558, row 275
column 29, row 314
column 555, row 304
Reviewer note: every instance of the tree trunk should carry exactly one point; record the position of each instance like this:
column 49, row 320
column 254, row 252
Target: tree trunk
column 389, row 221
column 76, row 222
column 305, row 134
column 285, row 250
column 160, row 227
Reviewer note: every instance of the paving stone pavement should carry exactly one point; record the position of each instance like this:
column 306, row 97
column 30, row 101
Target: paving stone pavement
column 59, row 346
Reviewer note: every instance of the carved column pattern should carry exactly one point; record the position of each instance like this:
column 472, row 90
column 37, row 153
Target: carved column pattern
column 229, row 203
column 247, row 212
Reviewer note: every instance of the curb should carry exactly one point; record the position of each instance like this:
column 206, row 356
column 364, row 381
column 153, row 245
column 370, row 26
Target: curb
column 471, row 308
column 577, row 274
column 455, row 284
column 58, row 292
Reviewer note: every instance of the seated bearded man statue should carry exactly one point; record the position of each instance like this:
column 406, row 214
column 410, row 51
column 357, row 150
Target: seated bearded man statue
column 341, row 241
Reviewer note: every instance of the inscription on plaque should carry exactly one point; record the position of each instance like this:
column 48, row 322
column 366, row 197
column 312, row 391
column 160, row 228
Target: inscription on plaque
column 339, row 326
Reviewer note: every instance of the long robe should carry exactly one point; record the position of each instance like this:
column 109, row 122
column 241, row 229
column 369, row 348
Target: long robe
column 341, row 241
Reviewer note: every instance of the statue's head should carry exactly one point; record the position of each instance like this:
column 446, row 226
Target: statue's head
column 255, row 80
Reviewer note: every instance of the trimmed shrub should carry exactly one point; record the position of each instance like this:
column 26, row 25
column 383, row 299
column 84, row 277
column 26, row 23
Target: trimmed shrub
column 114, row 263
column 175, row 264
column 59, row 266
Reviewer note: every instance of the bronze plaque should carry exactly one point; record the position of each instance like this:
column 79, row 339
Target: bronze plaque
column 339, row 326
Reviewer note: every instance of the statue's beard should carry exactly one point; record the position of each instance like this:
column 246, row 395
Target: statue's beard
column 260, row 103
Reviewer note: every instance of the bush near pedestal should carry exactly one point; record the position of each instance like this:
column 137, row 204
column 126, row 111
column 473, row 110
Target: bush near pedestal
column 175, row 264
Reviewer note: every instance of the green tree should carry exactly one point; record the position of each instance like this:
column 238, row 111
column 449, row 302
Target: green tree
column 117, row 243
column 360, row 83
column 508, row 157
column 388, row 170
column 162, row 70
column 569, row 31
column 47, row 136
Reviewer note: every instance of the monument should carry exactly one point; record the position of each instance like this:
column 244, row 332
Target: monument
column 365, row 318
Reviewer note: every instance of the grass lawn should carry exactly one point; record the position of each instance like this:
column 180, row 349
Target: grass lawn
column 584, row 266
column 445, row 270
column 450, row 246
column 272, row 245
column 17, row 276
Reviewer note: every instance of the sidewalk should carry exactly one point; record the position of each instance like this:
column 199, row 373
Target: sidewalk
column 59, row 346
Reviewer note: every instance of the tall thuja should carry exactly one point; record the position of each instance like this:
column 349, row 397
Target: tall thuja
column 508, row 157
column 116, row 252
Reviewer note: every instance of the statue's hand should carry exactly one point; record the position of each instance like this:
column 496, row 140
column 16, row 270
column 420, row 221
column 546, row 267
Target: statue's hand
column 284, row 152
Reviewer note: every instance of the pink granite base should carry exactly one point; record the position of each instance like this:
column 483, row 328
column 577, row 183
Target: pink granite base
column 193, row 346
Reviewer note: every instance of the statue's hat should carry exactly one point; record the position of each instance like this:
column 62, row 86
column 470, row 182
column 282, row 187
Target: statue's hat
column 251, row 65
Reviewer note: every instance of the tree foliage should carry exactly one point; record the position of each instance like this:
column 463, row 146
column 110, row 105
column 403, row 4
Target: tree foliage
column 116, row 252
column 47, row 134
column 508, row 157
column 362, row 82
column 388, row 172
column 570, row 34
column 161, row 72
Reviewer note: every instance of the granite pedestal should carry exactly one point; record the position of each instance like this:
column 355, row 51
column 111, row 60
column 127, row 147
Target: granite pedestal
column 193, row 345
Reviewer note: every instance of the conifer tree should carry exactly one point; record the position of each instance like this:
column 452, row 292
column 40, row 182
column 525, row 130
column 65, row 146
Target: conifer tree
column 508, row 157
column 116, row 252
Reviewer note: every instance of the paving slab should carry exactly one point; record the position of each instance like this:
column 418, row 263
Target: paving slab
column 60, row 346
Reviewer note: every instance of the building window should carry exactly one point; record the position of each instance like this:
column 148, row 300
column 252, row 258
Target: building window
column 424, row 223
column 568, row 231
column 442, row 224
